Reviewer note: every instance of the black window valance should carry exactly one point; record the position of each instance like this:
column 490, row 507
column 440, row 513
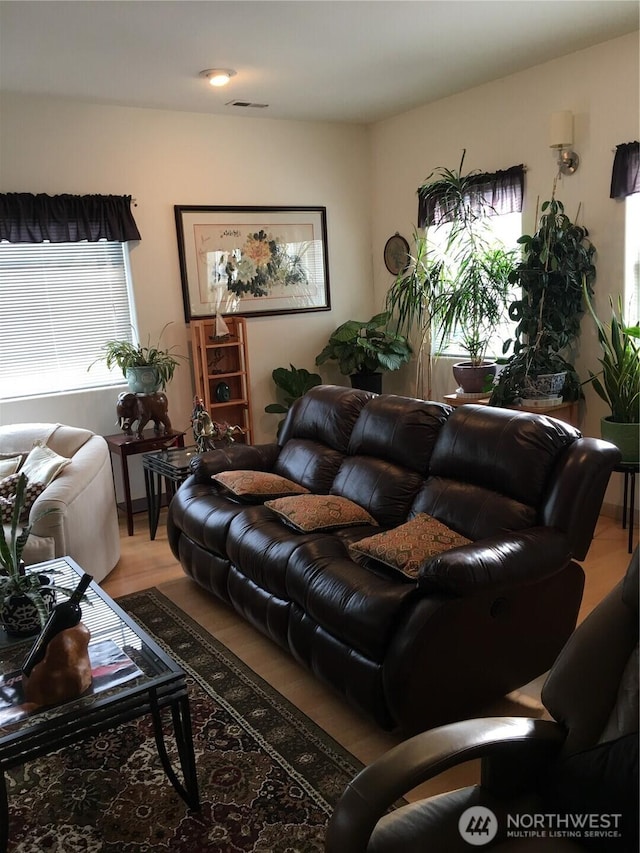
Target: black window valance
column 625, row 176
column 497, row 193
column 28, row 218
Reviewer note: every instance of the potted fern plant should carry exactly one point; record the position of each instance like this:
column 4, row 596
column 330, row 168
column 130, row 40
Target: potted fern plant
column 26, row 596
column 618, row 382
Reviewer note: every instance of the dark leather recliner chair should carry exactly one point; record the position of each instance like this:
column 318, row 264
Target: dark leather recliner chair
column 541, row 779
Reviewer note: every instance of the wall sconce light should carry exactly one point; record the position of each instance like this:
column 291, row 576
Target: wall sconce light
column 561, row 139
column 218, row 76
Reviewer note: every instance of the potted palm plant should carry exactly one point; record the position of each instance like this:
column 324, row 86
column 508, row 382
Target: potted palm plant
column 26, row 596
column 556, row 260
column 411, row 300
column 458, row 284
column 147, row 369
column 364, row 349
column 618, row 382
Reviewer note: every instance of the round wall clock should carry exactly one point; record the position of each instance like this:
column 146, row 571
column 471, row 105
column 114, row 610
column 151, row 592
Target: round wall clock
column 396, row 254
column 223, row 392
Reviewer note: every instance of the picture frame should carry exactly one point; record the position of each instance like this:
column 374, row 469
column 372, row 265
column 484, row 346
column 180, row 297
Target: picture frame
column 252, row 261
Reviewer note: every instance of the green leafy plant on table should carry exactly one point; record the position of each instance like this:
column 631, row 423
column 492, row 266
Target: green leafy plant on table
column 294, row 383
column 366, row 347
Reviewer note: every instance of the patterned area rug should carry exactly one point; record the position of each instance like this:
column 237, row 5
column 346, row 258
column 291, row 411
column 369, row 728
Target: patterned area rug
column 268, row 775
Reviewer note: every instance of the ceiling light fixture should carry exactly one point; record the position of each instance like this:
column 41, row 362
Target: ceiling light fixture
column 218, row 76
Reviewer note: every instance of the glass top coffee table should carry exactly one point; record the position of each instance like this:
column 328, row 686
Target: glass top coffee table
column 154, row 682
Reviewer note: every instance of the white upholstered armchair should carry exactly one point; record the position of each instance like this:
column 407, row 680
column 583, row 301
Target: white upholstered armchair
column 85, row 525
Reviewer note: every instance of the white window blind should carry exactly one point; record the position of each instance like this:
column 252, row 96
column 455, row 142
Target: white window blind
column 59, row 303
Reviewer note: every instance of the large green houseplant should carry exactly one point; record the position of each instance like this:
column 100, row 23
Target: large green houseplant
column 22, row 589
column 556, row 260
column 147, row 369
column 618, row 381
column 364, row 349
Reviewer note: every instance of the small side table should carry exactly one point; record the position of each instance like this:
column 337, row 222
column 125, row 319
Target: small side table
column 174, row 465
column 629, row 469
column 123, row 445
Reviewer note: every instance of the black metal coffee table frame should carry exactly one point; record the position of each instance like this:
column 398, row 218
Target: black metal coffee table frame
column 172, row 464
column 41, row 734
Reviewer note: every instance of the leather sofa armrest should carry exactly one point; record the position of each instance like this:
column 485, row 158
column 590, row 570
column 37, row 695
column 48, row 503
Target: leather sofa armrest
column 235, row 457
column 511, row 558
column 376, row 788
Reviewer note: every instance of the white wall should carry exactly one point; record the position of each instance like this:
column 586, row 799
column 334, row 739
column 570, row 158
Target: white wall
column 165, row 158
column 505, row 123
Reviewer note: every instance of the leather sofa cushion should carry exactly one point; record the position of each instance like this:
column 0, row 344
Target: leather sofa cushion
column 308, row 513
column 406, row 547
column 471, row 509
column 493, row 449
column 309, row 463
column 358, row 607
column 385, row 489
column 398, row 430
column 326, row 417
column 254, row 486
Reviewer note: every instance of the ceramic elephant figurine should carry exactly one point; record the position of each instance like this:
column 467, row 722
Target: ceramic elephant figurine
column 142, row 408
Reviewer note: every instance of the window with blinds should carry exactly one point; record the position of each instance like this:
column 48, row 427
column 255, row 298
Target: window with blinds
column 59, row 303
column 505, row 230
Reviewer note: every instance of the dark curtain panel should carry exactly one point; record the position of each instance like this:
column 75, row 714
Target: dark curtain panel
column 503, row 191
column 27, row 218
column 625, row 177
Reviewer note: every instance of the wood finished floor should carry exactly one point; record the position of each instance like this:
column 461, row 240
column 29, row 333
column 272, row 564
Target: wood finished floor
column 145, row 564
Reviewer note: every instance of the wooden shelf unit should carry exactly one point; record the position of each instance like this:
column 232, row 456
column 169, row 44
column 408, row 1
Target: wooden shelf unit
column 223, row 360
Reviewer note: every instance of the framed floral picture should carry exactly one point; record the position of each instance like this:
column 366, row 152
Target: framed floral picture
column 252, row 261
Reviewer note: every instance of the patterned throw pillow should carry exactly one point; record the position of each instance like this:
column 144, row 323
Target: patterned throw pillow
column 256, row 485
column 8, row 497
column 406, row 547
column 308, row 513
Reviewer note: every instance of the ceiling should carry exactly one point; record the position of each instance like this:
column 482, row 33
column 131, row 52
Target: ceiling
column 329, row 60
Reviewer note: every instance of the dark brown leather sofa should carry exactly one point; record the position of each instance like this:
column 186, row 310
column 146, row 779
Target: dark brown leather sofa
column 479, row 620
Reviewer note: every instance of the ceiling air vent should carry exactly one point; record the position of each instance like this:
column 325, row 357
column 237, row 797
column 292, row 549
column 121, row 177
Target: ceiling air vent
column 245, row 104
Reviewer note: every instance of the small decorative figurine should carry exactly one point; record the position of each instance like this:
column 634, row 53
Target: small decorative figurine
column 207, row 432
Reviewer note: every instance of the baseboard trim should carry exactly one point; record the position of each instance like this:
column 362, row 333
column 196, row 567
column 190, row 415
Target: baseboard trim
column 614, row 511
